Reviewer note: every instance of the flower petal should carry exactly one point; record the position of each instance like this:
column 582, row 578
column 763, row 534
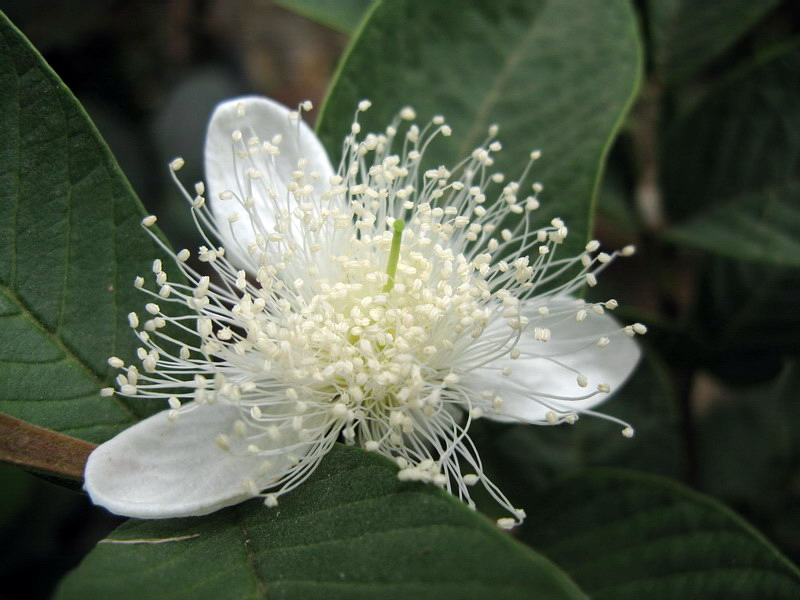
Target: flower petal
column 229, row 164
column 552, row 368
column 161, row 469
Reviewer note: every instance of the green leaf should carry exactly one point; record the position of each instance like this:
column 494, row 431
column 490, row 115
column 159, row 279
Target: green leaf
column 749, row 444
column 731, row 179
column 342, row 15
column 555, row 75
column 70, row 246
column 740, row 145
column 747, row 319
column 688, row 35
column 625, row 536
column 351, row 531
column 761, row 228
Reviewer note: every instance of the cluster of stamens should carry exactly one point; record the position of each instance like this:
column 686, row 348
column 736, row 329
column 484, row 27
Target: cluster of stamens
column 359, row 306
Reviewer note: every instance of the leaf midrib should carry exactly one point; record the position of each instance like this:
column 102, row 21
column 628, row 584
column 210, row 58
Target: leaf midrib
column 15, row 216
column 498, row 84
column 68, row 222
column 250, row 557
column 69, row 353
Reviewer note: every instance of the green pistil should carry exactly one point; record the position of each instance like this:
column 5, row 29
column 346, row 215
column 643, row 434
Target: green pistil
column 394, row 254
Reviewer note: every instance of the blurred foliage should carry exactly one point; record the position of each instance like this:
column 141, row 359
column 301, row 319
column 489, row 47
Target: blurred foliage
column 750, row 453
column 686, row 36
column 626, row 536
column 343, row 15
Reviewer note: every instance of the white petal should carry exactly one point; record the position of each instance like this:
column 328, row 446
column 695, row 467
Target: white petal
column 161, row 469
column 262, row 118
column 574, row 345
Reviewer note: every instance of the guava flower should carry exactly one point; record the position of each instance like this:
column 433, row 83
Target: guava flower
column 378, row 303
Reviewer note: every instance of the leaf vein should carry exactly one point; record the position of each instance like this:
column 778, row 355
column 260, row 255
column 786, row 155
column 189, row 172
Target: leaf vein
column 62, row 345
column 250, row 557
column 15, row 212
column 68, row 237
column 494, row 92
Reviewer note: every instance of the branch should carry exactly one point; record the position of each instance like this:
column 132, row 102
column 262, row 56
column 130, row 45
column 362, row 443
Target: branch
column 41, row 449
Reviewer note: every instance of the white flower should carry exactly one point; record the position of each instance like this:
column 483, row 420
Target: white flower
column 377, row 303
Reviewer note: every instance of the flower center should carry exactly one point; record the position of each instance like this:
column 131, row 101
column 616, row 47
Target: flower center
column 377, row 338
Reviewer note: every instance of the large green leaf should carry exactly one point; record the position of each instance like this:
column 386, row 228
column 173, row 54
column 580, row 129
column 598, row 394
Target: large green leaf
column 558, row 75
column 688, row 35
column 70, row 246
column 342, row 15
column 625, row 536
column 352, row 531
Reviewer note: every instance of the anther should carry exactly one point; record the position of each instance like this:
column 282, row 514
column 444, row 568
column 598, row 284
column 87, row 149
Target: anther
column 408, row 114
column 506, row 523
